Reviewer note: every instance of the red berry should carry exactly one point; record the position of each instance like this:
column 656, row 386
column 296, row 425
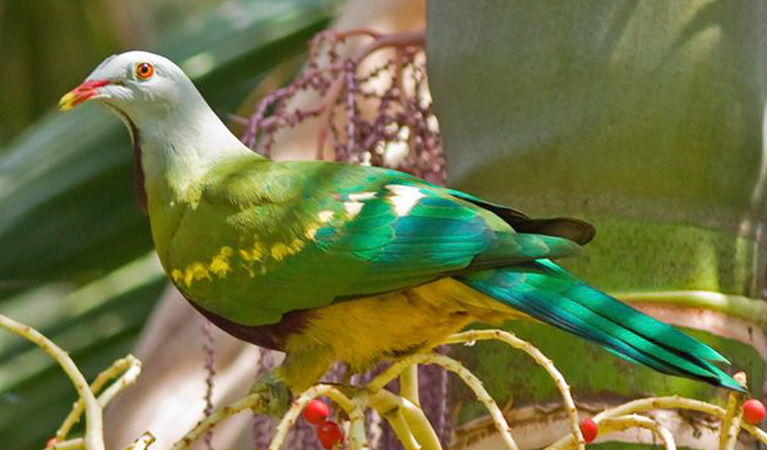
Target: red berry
column 753, row 411
column 589, row 429
column 316, row 412
column 329, row 434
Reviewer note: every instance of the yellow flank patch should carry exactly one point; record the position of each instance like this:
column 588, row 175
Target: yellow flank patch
column 177, row 276
column 280, row 250
column 219, row 265
column 254, row 254
column 310, row 232
column 195, row 272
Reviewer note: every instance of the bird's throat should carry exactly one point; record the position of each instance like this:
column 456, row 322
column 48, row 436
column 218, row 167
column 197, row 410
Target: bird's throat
column 138, row 170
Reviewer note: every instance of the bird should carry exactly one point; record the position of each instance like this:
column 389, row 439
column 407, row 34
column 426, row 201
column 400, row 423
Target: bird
column 333, row 262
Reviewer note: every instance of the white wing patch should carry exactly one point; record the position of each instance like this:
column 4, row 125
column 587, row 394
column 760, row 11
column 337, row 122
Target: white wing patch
column 325, row 216
column 353, row 208
column 361, row 196
column 403, row 198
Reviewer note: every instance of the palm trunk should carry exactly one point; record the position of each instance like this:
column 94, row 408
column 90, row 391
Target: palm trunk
column 645, row 118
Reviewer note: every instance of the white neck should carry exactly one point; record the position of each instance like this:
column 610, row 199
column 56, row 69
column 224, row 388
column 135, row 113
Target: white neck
column 179, row 149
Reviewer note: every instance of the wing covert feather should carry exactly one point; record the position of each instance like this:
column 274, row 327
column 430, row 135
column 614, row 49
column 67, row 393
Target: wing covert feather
column 299, row 235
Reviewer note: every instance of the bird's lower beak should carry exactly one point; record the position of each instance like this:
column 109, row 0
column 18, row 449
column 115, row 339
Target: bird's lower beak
column 80, row 94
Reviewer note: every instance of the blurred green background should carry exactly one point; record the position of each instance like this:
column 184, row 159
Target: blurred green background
column 75, row 253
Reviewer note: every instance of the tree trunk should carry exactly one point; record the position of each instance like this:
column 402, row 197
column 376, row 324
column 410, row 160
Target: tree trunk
column 645, row 118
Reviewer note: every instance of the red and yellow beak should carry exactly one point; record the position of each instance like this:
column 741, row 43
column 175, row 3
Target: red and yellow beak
column 80, row 94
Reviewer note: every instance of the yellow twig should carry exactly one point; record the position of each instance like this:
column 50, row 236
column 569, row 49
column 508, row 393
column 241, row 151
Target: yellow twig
column 131, row 368
column 621, row 423
column 300, row 403
column 72, row 444
column 143, row 442
column 408, row 384
column 728, row 436
column 466, row 376
column 540, row 358
column 211, row 421
column 94, row 433
column 416, row 430
column 672, row 402
column 357, row 435
column 401, row 429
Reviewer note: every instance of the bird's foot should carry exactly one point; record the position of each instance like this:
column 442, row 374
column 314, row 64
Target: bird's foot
column 274, row 395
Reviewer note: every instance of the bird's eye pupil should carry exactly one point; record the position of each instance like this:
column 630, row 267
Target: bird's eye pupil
column 144, row 70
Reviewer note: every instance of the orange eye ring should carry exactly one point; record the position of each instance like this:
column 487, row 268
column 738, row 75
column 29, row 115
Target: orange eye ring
column 144, row 71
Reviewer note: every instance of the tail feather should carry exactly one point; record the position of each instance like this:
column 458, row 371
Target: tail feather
column 548, row 293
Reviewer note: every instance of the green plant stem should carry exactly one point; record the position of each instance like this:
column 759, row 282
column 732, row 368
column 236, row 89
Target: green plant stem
column 752, row 310
column 415, row 431
column 408, row 384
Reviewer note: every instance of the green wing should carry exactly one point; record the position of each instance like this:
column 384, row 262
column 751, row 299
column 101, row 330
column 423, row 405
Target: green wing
column 299, row 235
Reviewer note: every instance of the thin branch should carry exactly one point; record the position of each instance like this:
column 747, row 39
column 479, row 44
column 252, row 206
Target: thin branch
column 416, row 429
column 540, row 358
column 730, row 428
column 131, row 368
column 358, row 438
column 636, row 421
column 289, row 419
column 466, row 376
column 211, row 421
column 408, row 384
column 71, row 444
column 402, row 39
column 401, row 429
column 672, row 402
column 94, row 433
column 143, row 442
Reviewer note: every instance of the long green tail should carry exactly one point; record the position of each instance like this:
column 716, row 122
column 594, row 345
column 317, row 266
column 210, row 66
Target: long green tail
column 545, row 291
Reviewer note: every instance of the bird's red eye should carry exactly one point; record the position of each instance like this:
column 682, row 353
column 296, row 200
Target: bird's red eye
column 144, row 71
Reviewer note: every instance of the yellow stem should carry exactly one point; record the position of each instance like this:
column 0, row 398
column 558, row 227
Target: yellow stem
column 94, row 433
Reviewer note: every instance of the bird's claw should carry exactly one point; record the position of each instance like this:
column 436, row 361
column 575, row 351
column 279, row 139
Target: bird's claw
column 273, row 393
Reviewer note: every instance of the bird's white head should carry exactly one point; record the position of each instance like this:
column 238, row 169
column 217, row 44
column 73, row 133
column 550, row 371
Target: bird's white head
column 176, row 135
column 140, row 85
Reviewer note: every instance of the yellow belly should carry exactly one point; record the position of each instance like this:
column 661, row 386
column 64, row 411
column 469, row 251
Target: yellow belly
column 363, row 331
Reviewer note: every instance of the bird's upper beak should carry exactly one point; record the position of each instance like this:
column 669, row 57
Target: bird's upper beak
column 81, row 94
